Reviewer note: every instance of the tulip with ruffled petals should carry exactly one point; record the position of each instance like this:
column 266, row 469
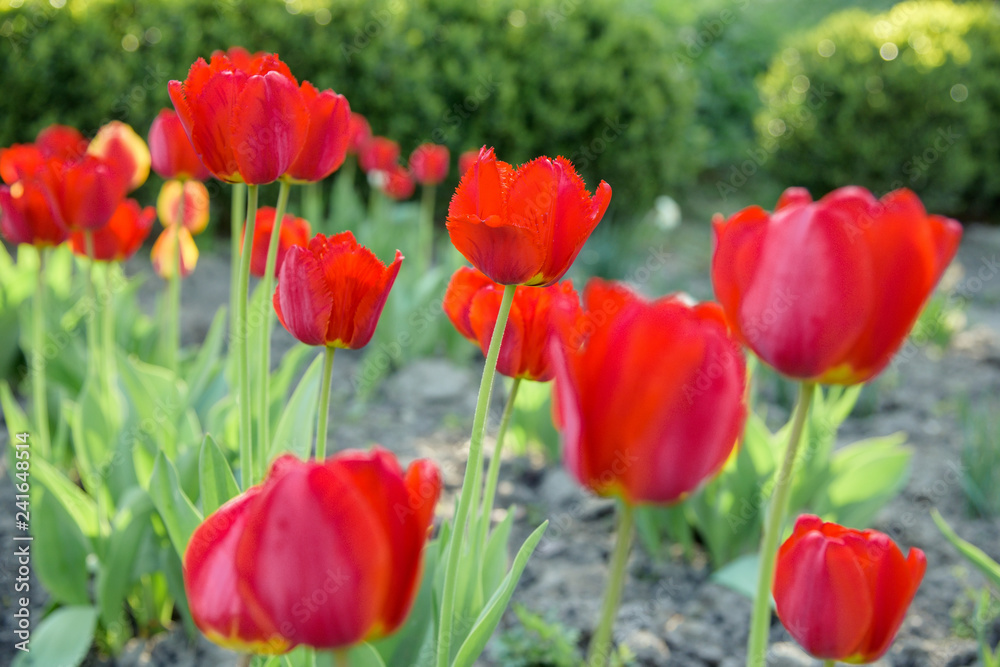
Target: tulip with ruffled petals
column 429, row 163
column 636, row 418
column 332, row 292
column 247, row 125
column 352, row 529
column 165, row 247
column 26, row 215
column 326, row 145
column 472, row 302
column 124, row 150
column 172, row 155
column 294, row 232
column 843, row 593
column 118, row 240
column 168, row 205
column 523, row 226
column 827, row 291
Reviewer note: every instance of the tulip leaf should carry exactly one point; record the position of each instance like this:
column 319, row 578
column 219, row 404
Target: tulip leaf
column 863, row 477
column 60, row 549
column 364, row 655
column 158, row 398
column 215, row 477
column 740, row 575
column 178, row 513
column 297, row 424
column 78, row 504
column 989, row 567
column 63, row 638
column 115, row 576
column 170, row 564
column 494, row 564
column 489, row 618
column 206, row 365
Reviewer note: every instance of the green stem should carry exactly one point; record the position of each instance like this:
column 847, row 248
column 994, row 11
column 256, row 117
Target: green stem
column 93, row 347
column 237, row 214
column 761, row 620
column 340, row 659
column 343, row 192
column 40, row 397
column 312, row 202
column 324, row 403
column 493, row 473
column 243, row 342
column 267, row 318
column 470, row 481
column 172, row 331
column 108, row 336
column 600, row 644
column 426, row 230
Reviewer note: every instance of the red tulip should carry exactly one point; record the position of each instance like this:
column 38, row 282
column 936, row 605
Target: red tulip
column 294, row 232
column 118, row 240
column 247, row 125
column 398, row 183
column 360, row 133
column 124, row 150
column 472, row 302
column 27, row 216
column 84, row 193
column 165, row 247
column 466, row 160
column 20, row 161
column 333, row 291
column 523, row 226
column 326, row 554
column 326, row 143
column 652, row 403
column 842, row 593
column 827, row 291
column 196, row 205
column 62, row 142
column 379, row 154
column 213, row 586
column 171, row 151
column 429, row 163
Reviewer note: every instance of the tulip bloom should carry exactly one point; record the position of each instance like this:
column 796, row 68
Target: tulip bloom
column 27, row 216
column 346, row 535
column 429, row 163
column 83, row 193
column 827, row 291
column 649, row 396
column 124, row 150
column 466, row 160
column 326, row 144
column 172, row 155
column 165, row 247
column 379, row 154
column 20, row 161
column 360, row 133
column 168, row 205
column 842, row 593
column 246, row 120
column 398, row 183
column 523, row 226
column 61, row 142
column 294, row 232
column 472, row 302
column 118, row 240
column 332, row 292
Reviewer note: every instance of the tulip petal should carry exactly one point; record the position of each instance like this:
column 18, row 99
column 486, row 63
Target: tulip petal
column 211, row 108
column 270, row 124
column 457, row 304
column 302, row 298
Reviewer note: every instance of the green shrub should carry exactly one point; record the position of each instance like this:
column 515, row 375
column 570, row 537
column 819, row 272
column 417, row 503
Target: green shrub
column 590, row 80
column 906, row 98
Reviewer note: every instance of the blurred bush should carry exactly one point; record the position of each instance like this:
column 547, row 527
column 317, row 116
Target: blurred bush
column 590, row 80
column 906, row 98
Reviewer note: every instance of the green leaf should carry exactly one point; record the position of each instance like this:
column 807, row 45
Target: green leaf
column 62, row 639
column 494, row 562
column 94, row 435
column 206, row 363
column 297, row 424
column 215, row 477
column 740, row 575
column 13, row 415
column 78, row 504
column 173, row 571
column 115, row 577
column 488, row 619
column 864, row 476
column 158, row 398
column 60, row 549
column 364, row 655
column 178, row 513
column 989, row 567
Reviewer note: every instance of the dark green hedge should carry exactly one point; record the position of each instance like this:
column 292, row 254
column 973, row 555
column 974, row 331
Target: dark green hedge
column 906, row 98
column 592, row 80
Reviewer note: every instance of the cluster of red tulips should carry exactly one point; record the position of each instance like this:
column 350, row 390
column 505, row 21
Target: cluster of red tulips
column 328, row 552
